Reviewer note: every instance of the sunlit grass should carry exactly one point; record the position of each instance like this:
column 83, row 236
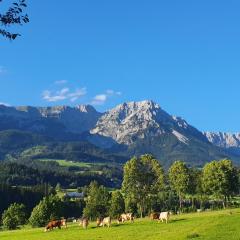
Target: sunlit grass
column 207, row 225
column 65, row 163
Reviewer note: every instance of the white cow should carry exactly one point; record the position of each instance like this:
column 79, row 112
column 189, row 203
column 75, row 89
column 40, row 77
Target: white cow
column 164, row 216
column 126, row 217
column 105, row 221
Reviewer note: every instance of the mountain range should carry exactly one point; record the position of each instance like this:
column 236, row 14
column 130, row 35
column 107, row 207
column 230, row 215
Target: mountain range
column 129, row 129
column 229, row 141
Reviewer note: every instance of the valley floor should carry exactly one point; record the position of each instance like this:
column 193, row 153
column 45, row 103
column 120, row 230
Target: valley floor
column 206, row 225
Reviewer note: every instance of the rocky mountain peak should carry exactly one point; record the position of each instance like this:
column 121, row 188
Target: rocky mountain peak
column 145, row 105
column 224, row 139
column 142, row 111
column 138, row 120
column 86, row 108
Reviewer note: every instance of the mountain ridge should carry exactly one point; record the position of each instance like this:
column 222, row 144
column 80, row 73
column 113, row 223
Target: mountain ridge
column 131, row 128
column 70, row 119
column 227, row 140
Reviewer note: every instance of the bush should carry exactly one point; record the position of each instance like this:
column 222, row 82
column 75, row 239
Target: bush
column 14, row 216
column 49, row 208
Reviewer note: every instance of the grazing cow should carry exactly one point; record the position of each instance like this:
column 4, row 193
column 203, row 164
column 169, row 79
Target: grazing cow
column 154, row 216
column 101, row 222
column 126, row 217
column 84, row 222
column 130, row 217
column 64, row 223
column 164, row 216
column 56, row 224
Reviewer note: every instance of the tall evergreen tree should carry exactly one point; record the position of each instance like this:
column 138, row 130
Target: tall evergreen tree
column 97, row 201
column 50, row 208
column 117, row 205
column 14, row 216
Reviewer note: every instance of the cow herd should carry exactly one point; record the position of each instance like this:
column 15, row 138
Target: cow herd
column 106, row 221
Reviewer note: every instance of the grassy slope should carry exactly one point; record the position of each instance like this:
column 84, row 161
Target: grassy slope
column 208, row 225
column 65, row 163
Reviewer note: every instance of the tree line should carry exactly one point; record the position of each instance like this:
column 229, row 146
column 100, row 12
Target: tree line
column 31, row 173
column 145, row 184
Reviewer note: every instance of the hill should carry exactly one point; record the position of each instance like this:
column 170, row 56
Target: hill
column 207, row 226
column 15, row 141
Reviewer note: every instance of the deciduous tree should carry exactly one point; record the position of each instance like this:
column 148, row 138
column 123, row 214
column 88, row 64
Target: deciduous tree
column 179, row 179
column 13, row 16
column 143, row 179
column 220, row 179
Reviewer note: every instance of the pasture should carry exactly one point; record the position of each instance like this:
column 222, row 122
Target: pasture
column 223, row 224
column 65, row 163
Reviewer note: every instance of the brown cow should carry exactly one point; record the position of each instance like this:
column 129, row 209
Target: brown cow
column 154, row 216
column 56, row 224
column 84, row 222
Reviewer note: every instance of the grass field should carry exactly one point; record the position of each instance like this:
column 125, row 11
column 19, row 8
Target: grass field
column 65, row 163
column 206, row 225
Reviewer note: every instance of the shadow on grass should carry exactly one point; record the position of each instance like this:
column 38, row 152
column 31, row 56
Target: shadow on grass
column 193, row 235
column 112, row 226
column 177, row 220
column 94, row 227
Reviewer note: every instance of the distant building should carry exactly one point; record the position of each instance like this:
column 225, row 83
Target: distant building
column 75, row 195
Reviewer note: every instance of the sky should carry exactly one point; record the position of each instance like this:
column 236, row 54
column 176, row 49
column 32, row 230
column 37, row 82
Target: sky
column 184, row 55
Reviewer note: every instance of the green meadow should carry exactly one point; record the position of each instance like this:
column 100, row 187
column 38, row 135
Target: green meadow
column 223, row 224
column 65, row 163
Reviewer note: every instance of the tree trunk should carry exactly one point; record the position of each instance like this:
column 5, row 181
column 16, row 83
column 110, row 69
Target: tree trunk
column 224, row 202
column 201, row 203
column 141, row 211
column 180, row 203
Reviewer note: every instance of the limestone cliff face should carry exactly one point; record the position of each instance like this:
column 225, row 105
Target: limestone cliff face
column 222, row 139
column 131, row 121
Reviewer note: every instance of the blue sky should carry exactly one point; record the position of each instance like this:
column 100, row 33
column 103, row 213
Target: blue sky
column 185, row 55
